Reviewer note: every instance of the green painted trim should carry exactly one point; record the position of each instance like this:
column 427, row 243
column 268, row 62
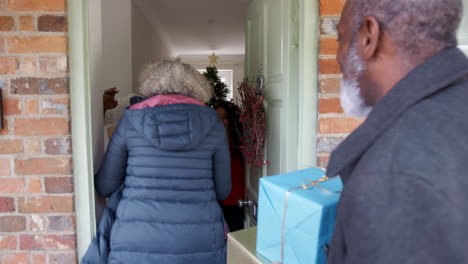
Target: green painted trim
column 308, row 83
column 81, row 123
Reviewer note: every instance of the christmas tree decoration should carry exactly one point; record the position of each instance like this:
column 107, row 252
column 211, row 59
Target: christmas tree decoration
column 213, row 59
column 220, row 90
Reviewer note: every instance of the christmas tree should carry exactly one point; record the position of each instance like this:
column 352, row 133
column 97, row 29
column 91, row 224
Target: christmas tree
column 220, row 90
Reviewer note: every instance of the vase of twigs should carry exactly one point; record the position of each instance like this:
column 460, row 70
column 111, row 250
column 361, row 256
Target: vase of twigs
column 253, row 119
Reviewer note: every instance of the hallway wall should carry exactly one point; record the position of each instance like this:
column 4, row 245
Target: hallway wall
column 117, row 45
column 147, row 45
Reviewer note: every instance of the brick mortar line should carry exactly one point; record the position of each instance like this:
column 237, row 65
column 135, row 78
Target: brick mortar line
column 43, row 185
column 36, row 22
column 38, row 55
column 330, row 16
column 334, row 36
column 40, row 75
column 28, row 222
column 330, row 76
column 47, row 176
column 41, row 175
column 22, row 101
column 39, row 214
column 18, row 244
column 44, row 116
column 28, row 177
column 43, row 97
column 29, row 137
column 332, row 115
column 329, row 95
column 16, row 201
column 11, row 12
column 34, row 155
column 46, row 252
column 36, row 195
column 38, row 96
column 328, row 36
column 9, row 126
column 41, row 233
column 41, row 116
column 25, row 176
column 326, row 57
column 11, row 34
column 53, row 251
column 16, row 24
column 15, row 137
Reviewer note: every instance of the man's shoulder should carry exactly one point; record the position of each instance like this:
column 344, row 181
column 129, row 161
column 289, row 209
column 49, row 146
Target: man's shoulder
column 431, row 134
column 436, row 116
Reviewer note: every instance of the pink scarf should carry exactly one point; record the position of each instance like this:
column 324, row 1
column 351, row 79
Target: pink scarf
column 166, row 99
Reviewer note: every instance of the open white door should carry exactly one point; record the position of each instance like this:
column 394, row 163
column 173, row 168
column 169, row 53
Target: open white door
column 272, row 42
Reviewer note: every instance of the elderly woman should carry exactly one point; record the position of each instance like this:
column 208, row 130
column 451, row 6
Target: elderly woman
column 171, row 154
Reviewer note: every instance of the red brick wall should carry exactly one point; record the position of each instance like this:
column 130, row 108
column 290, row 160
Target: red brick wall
column 333, row 125
column 37, row 221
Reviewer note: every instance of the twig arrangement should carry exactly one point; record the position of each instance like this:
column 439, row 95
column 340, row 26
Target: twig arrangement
column 253, row 120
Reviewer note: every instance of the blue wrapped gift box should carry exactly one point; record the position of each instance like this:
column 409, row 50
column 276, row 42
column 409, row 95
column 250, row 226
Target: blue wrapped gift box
column 309, row 221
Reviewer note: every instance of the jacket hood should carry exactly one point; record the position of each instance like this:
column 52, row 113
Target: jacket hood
column 175, row 127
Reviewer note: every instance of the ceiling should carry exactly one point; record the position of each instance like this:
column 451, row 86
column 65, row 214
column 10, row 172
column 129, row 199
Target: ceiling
column 197, row 27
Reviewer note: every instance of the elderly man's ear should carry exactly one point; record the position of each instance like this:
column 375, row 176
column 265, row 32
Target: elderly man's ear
column 369, row 38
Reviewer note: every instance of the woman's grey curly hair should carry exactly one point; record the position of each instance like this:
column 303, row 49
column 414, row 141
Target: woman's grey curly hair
column 170, row 76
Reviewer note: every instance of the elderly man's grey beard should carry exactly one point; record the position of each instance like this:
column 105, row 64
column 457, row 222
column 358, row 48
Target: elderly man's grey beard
column 351, row 100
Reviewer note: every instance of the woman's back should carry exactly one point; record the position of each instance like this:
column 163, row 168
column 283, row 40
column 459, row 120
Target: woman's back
column 174, row 160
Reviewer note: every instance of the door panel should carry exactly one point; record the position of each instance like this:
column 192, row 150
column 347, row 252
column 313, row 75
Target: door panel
column 274, row 109
column 254, row 39
column 274, row 44
column 272, row 37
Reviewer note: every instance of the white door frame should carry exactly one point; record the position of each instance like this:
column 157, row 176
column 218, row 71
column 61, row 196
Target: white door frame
column 80, row 98
column 80, row 93
column 309, row 21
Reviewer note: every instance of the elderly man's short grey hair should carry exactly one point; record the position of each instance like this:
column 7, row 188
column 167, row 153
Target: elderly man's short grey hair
column 414, row 25
column 170, row 76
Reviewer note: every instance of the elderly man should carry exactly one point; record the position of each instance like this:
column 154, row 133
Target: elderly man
column 405, row 169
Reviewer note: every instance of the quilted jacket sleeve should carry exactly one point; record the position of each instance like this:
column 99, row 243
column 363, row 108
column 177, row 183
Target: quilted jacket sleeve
column 222, row 166
column 111, row 174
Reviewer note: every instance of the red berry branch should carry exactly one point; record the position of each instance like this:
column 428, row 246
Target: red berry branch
column 252, row 118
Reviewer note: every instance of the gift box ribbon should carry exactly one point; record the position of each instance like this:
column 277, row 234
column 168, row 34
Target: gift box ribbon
column 311, row 184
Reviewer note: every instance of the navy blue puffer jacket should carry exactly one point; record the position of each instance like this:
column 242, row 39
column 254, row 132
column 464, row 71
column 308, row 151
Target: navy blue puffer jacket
column 175, row 165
